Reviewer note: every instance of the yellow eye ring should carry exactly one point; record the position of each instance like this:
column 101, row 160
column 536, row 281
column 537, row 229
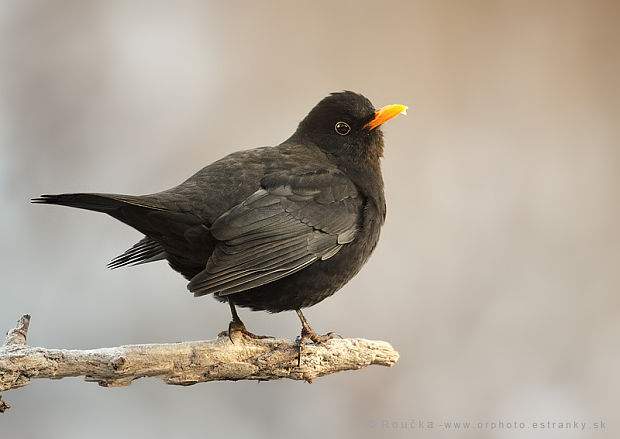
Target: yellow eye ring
column 342, row 128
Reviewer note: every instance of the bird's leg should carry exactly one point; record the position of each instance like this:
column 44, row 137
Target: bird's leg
column 308, row 333
column 236, row 325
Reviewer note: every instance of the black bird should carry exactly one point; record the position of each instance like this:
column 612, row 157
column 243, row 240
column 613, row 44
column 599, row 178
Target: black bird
column 273, row 228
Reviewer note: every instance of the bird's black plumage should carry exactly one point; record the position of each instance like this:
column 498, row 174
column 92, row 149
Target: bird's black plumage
column 274, row 228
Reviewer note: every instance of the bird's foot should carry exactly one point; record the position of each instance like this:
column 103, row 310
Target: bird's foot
column 308, row 334
column 237, row 326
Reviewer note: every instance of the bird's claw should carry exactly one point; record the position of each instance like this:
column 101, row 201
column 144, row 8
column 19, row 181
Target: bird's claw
column 309, row 334
column 312, row 336
column 239, row 327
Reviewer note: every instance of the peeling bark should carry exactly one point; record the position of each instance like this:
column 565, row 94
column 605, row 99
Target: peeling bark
column 187, row 363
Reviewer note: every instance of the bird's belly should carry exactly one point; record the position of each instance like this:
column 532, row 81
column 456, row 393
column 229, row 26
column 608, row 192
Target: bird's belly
column 314, row 283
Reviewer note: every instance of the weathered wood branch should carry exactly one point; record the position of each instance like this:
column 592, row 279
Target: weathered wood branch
column 187, row 363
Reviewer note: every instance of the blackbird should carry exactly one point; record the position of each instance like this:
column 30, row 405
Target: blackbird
column 272, row 228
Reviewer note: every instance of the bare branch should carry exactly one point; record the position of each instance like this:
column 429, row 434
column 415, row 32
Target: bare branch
column 187, row 363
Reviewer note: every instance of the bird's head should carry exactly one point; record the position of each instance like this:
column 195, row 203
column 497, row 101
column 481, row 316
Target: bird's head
column 346, row 124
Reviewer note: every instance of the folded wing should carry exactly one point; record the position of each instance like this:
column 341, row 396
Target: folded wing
column 291, row 222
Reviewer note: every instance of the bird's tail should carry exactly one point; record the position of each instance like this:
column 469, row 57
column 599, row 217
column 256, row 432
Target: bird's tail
column 107, row 203
column 154, row 215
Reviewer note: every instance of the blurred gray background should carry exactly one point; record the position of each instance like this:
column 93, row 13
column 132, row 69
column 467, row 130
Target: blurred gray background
column 498, row 271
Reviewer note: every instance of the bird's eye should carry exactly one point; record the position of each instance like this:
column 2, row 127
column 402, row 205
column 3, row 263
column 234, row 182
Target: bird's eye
column 342, row 128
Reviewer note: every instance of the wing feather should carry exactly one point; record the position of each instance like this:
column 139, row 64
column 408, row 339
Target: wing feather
column 290, row 222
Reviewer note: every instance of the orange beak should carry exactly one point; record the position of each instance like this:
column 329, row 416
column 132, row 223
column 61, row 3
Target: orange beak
column 384, row 114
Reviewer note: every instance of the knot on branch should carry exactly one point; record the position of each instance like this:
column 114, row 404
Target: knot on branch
column 17, row 335
column 3, row 405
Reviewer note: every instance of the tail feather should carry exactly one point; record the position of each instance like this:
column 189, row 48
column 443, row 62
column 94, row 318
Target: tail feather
column 167, row 228
column 97, row 202
column 146, row 250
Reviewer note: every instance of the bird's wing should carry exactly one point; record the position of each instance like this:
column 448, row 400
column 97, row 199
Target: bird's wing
column 290, row 222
